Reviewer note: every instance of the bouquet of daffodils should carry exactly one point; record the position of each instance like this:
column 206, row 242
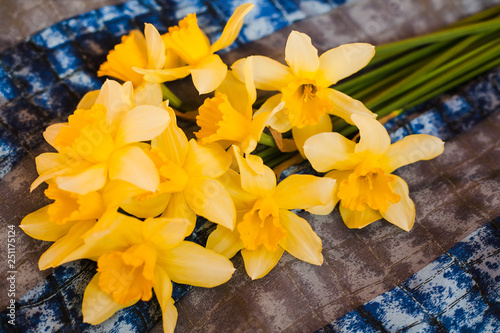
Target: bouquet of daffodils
column 128, row 185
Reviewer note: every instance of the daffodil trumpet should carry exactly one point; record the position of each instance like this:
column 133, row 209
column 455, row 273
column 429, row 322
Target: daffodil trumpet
column 228, row 117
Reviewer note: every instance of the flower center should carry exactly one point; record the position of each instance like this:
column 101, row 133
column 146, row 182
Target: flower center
column 218, row 120
column 70, row 206
column 261, row 225
column 368, row 187
column 305, row 103
column 128, row 276
column 88, row 136
column 308, row 91
column 172, row 177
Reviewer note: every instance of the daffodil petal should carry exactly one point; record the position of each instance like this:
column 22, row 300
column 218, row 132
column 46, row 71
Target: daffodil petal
column 354, row 219
column 117, row 191
column 343, row 61
column 190, row 263
column 164, row 75
column 59, row 252
column 97, row 306
column 248, row 72
column 327, row 151
column 373, row 135
column 231, row 181
column 155, row 47
column 300, row 135
column 148, row 93
column 268, row 74
column 300, row 241
column 164, row 233
column 224, row 241
column 142, row 123
column 149, row 207
column 172, row 141
column 256, row 178
column 233, row 27
column 303, row 192
column 208, row 198
column 132, row 165
column 261, row 261
column 88, row 100
column 52, row 131
column 50, row 165
column 47, row 162
column 209, row 160
column 344, row 106
column 179, row 207
column 39, row 226
column 402, row 213
column 117, row 99
column 112, row 232
column 91, row 179
column 236, row 93
column 301, row 55
column 324, row 209
column 163, row 292
column 257, row 126
column 338, row 176
column 209, row 74
column 413, row 148
column 279, row 120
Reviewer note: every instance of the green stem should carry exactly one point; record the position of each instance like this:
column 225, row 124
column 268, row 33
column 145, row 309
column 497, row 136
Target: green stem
column 389, row 82
column 367, row 79
column 470, row 75
column 267, row 140
column 174, row 101
column 269, row 153
column 450, row 72
column 440, row 64
column 280, row 159
column 440, row 36
column 461, row 28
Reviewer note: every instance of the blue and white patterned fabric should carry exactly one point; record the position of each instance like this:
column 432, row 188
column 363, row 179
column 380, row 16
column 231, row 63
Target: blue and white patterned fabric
column 461, row 284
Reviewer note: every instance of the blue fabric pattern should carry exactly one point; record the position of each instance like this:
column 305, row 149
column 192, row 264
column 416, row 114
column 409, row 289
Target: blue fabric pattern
column 458, row 292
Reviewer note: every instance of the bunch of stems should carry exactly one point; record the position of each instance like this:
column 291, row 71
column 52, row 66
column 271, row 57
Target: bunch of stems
column 406, row 73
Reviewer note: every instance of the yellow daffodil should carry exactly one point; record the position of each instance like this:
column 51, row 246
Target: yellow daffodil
column 228, row 118
column 101, row 143
column 143, row 51
column 366, row 188
column 187, row 186
column 265, row 226
column 304, row 85
column 192, row 45
column 71, row 215
column 53, row 221
column 134, row 257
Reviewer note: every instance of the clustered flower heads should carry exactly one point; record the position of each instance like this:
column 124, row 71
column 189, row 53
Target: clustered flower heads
column 122, row 152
